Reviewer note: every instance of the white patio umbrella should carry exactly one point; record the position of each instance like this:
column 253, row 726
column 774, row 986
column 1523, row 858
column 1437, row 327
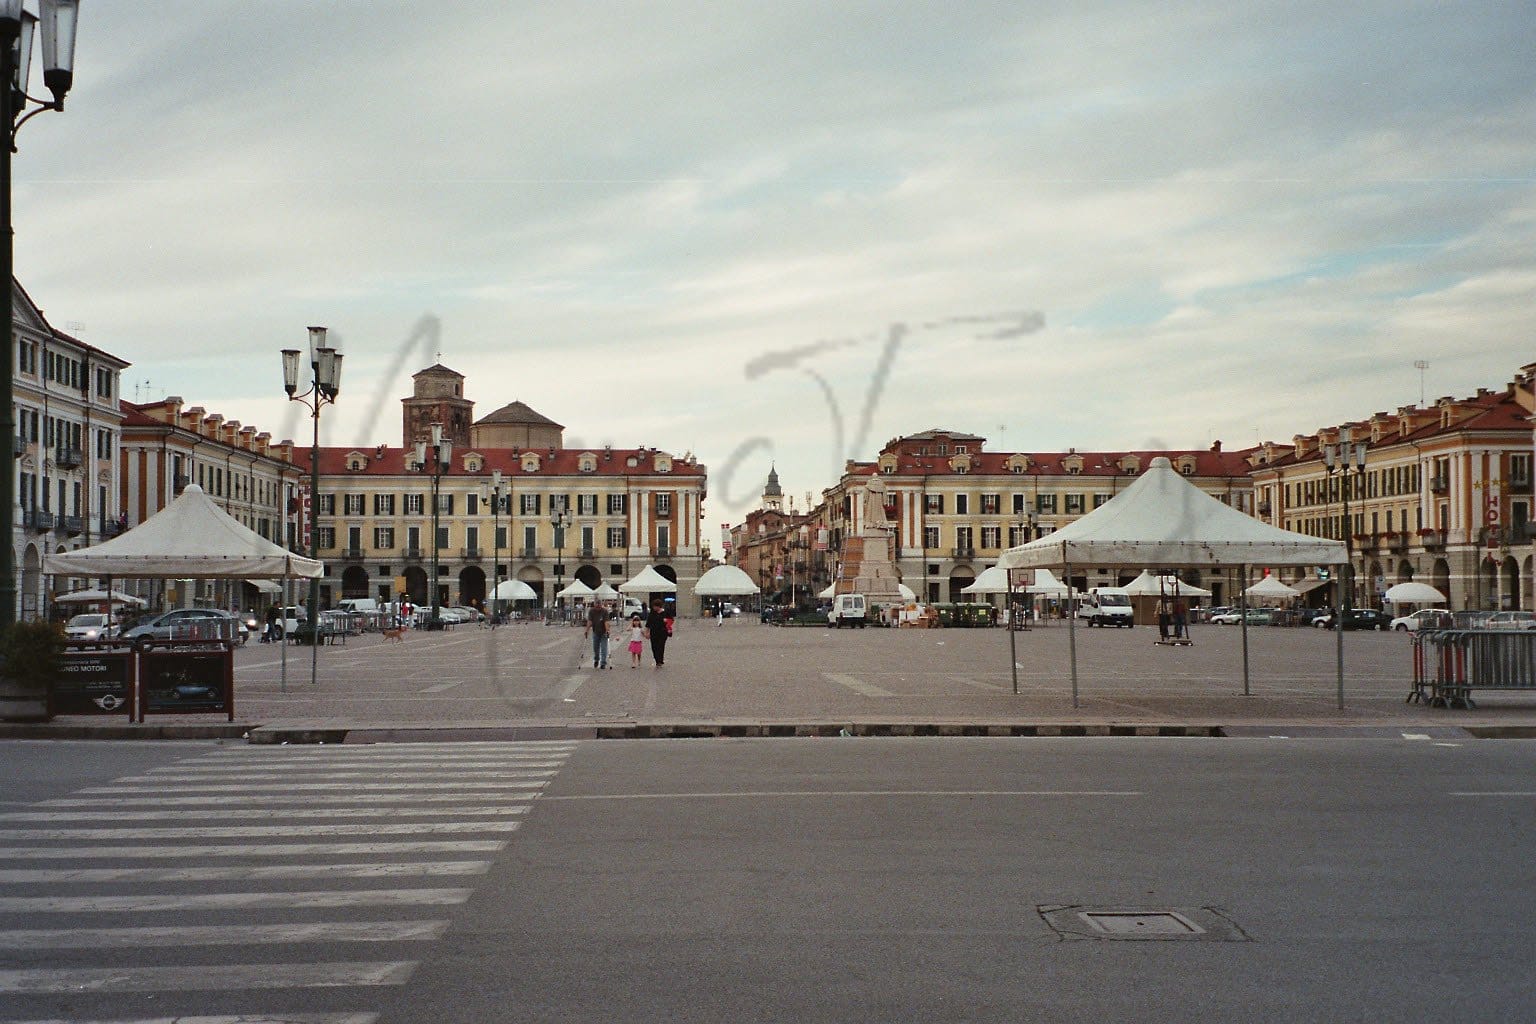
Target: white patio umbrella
column 1270, row 588
column 725, row 581
column 1413, row 592
column 647, row 580
column 514, row 590
column 95, row 595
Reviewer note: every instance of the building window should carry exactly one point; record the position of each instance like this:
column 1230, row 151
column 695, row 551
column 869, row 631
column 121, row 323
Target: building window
column 962, row 504
column 1099, row 499
column 1018, row 535
column 933, row 504
column 442, row 538
column 383, row 504
column 586, row 504
column 445, row 504
column 963, row 538
column 618, row 537
column 326, row 535
column 1074, row 504
column 414, row 504
column 991, row 536
column 663, row 503
column 325, row 506
column 530, row 504
column 930, row 536
column 618, row 504
column 352, row 504
column 472, row 504
column 384, row 537
column 1045, row 503
column 991, row 504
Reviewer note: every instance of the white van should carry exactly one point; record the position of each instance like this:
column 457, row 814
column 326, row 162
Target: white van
column 1107, row 606
column 358, row 604
column 847, row 610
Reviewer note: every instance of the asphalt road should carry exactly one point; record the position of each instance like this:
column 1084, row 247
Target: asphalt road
column 771, row 880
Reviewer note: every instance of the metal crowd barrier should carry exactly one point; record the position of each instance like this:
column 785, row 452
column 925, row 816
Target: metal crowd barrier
column 1448, row 664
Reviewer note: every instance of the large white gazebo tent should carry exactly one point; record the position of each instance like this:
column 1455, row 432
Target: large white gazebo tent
column 1162, row 521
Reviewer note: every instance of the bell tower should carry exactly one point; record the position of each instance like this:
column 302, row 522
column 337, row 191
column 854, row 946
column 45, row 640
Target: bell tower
column 437, row 397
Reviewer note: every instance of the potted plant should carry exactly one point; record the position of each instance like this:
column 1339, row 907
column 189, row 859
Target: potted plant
column 30, row 656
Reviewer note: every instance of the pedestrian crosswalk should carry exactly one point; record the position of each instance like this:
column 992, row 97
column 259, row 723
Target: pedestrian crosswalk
column 223, row 884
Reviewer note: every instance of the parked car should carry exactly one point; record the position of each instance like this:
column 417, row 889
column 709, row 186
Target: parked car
column 183, row 622
column 1424, row 618
column 90, row 626
column 1512, row 620
column 1359, row 618
column 1309, row 616
column 1234, row 616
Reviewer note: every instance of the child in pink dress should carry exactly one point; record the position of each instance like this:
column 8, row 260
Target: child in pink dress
column 636, row 641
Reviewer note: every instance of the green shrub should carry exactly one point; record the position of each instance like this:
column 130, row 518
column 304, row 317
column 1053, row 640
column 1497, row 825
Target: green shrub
column 32, row 651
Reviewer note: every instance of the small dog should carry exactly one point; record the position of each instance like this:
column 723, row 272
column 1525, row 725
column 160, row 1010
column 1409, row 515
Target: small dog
column 396, row 634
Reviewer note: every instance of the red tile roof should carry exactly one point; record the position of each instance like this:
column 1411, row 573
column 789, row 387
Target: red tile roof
column 384, row 460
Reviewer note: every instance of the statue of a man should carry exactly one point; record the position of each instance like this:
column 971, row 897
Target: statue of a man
column 875, row 498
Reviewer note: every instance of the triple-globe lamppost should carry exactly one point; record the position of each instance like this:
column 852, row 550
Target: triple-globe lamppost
column 324, row 386
column 441, row 452
column 493, row 495
column 57, row 20
column 560, row 519
column 1341, row 458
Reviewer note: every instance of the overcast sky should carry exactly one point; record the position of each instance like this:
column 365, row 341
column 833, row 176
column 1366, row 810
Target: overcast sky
column 788, row 231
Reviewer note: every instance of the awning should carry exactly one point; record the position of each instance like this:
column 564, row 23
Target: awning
column 1308, row 585
column 267, row 586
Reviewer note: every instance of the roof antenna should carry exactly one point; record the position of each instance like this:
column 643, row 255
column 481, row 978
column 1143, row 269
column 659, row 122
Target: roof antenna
column 1421, row 365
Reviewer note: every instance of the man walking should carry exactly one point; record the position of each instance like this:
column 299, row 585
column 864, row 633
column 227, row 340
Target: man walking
column 656, row 630
column 597, row 629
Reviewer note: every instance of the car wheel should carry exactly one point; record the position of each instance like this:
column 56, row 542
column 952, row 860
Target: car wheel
column 1402, row 629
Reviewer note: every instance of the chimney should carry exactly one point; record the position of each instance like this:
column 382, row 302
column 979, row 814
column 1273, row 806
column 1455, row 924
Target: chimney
column 1216, row 445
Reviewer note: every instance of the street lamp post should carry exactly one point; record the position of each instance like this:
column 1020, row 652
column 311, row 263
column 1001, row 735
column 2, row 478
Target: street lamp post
column 495, row 499
column 442, row 458
column 325, row 385
column 1340, row 459
column 58, row 20
column 559, row 518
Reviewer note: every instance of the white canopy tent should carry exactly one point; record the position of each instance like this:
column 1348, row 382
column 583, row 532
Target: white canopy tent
column 192, row 538
column 906, row 592
column 575, row 588
column 97, row 595
column 725, row 581
column 1163, row 521
column 1150, row 584
column 993, row 580
column 1046, row 583
column 1271, row 589
column 1413, row 592
column 605, row 592
column 646, row 581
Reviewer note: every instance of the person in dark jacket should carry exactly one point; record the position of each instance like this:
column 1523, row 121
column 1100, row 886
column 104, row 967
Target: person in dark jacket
column 656, row 632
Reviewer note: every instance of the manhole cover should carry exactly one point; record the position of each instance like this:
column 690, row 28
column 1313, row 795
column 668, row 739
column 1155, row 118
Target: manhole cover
column 1187, row 924
column 1122, row 924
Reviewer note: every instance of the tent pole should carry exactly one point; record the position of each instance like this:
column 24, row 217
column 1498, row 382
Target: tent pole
column 1013, row 638
column 282, row 619
column 1242, row 611
column 1072, row 633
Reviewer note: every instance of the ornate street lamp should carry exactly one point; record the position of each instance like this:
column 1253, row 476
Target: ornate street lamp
column 324, row 386
column 494, row 497
column 442, row 459
column 1340, row 459
column 58, row 20
column 559, row 518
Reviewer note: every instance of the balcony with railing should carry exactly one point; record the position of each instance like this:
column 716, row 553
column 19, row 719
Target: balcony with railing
column 587, row 553
column 413, row 554
column 1432, row 539
column 113, row 527
column 68, row 458
column 664, row 550
column 352, row 554
column 1439, row 484
column 72, row 525
column 527, row 552
column 37, row 519
column 471, row 554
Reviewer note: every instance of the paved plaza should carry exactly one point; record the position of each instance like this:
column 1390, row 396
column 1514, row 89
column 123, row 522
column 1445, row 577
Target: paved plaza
column 744, row 671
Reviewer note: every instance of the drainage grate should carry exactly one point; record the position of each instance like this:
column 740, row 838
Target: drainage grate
column 1188, row 924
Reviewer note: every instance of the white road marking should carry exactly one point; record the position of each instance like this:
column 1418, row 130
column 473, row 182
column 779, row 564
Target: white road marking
column 343, row 762
column 206, row 978
column 263, row 831
column 1510, row 792
column 569, row 685
column 261, row 812
column 834, row 793
column 234, row 873
column 350, row 787
column 856, row 684
column 180, row 852
column 334, row 775
column 1415, row 735
column 440, row 687
column 223, row 935
column 243, row 1018
column 277, row 799
column 979, row 685
column 329, row 898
